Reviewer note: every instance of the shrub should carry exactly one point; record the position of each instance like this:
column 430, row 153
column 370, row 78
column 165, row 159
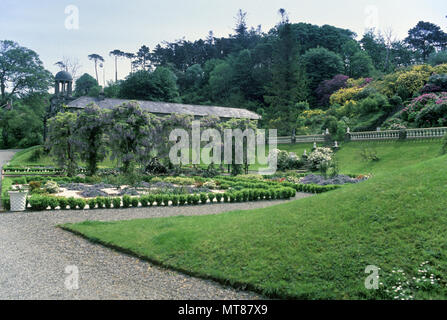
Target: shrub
column 38, row 202
column 151, row 199
column 219, row 197
column 183, row 199
column 100, row 202
column 127, row 201
column 226, row 197
column 51, row 187
column 63, row 203
column 203, row 198
column 135, row 202
column 33, row 185
column 165, row 200
column 175, row 200
column 81, row 203
column 285, row 194
column 433, row 115
column 116, row 203
column 159, row 200
column 6, row 203
column 318, row 156
column 72, row 203
column 53, row 202
column 180, row 180
column 144, row 201
column 195, row 199
column 210, row 184
column 284, row 159
column 190, row 199
column 211, row 197
column 91, row 203
column 225, row 186
column 21, row 180
column 108, row 203
column 278, row 193
column 245, row 195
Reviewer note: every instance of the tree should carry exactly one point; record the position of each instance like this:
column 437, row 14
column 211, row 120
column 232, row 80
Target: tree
column 328, row 87
column 132, row 135
column 289, row 81
column 96, row 58
column 425, row 38
column 89, row 130
column 160, row 85
column 438, row 58
column 376, row 48
column 22, row 124
column 130, row 56
column 62, row 141
column 70, row 65
column 117, row 54
column 321, row 64
column 361, row 65
column 84, row 85
column 220, row 81
column 143, row 58
column 21, row 72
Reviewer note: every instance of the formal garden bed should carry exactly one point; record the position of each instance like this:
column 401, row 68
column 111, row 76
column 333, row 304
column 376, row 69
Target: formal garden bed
column 90, row 193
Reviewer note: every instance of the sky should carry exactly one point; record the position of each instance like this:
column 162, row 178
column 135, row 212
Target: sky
column 77, row 28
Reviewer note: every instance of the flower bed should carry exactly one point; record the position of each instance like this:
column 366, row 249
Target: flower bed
column 157, row 192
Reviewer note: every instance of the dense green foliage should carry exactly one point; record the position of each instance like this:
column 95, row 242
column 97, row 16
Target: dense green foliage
column 293, row 68
column 86, row 85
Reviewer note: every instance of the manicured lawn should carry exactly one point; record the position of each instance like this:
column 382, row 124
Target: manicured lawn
column 314, row 248
column 24, row 158
column 393, row 154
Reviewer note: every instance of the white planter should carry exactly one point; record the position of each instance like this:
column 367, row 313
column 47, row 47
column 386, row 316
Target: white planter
column 18, row 200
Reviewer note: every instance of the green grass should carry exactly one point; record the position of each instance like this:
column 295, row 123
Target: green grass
column 393, row 154
column 23, row 158
column 314, row 248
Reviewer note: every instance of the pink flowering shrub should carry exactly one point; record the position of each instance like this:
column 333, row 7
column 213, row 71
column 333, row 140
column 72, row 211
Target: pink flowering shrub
column 410, row 112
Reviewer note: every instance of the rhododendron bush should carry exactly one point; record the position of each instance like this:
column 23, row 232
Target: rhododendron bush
column 426, row 110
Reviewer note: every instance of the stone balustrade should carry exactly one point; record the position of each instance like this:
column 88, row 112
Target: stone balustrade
column 405, row 134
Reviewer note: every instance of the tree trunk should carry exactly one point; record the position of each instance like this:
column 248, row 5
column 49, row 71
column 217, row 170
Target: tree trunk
column 96, row 71
column 116, row 69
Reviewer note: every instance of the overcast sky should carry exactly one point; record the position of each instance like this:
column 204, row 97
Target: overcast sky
column 50, row 28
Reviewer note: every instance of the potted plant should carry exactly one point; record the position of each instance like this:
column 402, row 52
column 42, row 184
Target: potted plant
column 17, row 198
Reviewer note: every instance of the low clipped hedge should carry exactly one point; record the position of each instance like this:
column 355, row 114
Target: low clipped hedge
column 314, row 188
column 43, row 202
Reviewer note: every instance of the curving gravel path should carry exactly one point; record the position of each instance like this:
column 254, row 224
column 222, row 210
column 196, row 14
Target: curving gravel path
column 34, row 254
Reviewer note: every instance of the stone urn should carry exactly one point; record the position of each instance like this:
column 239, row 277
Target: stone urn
column 18, row 200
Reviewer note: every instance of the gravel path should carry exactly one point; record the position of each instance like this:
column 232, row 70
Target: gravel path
column 34, row 255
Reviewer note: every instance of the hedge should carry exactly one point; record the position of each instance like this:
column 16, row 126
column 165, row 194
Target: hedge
column 236, row 192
